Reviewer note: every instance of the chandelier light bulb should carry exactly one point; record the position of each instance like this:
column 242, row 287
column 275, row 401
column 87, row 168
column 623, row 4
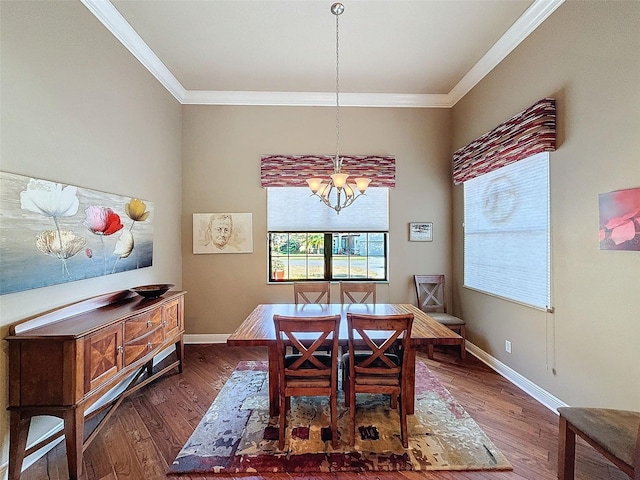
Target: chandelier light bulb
column 362, row 183
column 339, row 179
column 314, row 184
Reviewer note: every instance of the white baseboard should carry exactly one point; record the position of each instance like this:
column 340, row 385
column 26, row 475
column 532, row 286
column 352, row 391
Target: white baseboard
column 527, row 386
column 206, row 338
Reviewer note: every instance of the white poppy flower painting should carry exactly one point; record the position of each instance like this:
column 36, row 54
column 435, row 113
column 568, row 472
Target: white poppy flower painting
column 55, row 233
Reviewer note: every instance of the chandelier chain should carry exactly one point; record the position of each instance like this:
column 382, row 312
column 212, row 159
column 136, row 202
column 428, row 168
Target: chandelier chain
column 338, row 162
column 337, row 193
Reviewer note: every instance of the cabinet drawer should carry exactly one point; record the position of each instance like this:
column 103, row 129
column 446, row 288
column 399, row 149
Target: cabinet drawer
column 141, row 346
column 140, row 325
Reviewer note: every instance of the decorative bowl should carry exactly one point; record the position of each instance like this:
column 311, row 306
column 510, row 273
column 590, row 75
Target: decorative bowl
column 152, row 291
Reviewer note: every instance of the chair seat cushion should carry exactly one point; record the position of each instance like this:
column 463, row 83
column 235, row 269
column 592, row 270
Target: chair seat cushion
column 445, row 318
column 362, row 356
column 615, row 430
column 325, row 359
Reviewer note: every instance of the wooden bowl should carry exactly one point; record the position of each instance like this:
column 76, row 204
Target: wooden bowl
column 152, row 291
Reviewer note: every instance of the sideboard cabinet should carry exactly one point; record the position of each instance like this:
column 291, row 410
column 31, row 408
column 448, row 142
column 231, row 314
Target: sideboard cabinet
column 64, row 361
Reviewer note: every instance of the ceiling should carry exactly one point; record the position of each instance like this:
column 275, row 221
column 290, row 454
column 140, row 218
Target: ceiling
column 416, row 53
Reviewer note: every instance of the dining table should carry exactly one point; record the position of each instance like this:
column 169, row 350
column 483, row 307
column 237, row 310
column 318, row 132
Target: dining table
column 258, row 329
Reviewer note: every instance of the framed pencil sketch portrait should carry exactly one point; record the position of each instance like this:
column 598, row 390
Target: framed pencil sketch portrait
column 222, row 233
column 421, row 232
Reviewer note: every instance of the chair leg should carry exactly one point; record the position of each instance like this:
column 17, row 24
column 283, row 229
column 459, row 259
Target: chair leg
column 430, row 351
column 334, row 420
column 404, row 435
column 345, row 387
column 352, row 416
column 394, row 402
column 283, row 421
column 463, row 346
column 566, row 451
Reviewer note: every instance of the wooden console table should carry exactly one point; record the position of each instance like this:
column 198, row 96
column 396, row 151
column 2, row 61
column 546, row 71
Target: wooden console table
column 62, row 362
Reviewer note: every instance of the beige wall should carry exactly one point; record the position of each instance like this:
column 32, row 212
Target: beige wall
column 221, row 173
column 77, row 108
column 587, row 56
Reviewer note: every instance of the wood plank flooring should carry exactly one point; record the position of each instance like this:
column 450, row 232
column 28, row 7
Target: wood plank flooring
column 148, row 430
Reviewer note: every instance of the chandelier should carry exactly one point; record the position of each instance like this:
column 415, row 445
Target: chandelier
column 336, row 192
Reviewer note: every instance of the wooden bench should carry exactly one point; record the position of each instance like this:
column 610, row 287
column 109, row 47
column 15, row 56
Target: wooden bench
column 613, row 433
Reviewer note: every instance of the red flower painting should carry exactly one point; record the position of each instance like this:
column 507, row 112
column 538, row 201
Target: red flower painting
column 102, row 220
column 620, row 220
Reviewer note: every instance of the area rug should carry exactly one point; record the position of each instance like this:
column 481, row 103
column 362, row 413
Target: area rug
column 236, row 435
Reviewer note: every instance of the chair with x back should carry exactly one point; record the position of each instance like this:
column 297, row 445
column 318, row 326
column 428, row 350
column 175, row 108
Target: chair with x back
column 308, row 372
column 311, row 292
column 378, row 371
column 357, row 292
column 431, row 296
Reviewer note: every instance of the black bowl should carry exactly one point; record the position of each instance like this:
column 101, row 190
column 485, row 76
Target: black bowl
column 152, row 291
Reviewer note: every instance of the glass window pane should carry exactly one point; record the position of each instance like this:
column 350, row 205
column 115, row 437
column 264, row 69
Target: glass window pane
column 299, row 256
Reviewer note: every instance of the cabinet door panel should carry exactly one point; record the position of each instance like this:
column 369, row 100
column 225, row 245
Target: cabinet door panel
column 172, row 318
column 103, row 356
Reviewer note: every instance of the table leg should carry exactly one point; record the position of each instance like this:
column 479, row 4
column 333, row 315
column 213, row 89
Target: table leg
column 73, row 433
column 411, row 379
column 19, row 429
column 180, row 353
column 274, row 407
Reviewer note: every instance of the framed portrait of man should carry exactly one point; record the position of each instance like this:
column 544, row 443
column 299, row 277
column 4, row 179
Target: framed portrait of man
column 222, row 233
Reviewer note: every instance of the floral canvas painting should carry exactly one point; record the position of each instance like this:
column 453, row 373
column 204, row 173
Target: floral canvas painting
column 53, row 233
column 620, row 219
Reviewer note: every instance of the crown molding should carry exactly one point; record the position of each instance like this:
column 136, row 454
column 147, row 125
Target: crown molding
column 315, row 99
column 109, row 16
column 521, row 29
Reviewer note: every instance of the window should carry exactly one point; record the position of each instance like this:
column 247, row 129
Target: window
column 309, row 241
column 327, row 256
column 507, row 232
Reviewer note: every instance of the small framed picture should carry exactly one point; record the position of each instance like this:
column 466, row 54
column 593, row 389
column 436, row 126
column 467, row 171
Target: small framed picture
column 421, row 232
column 222, row 233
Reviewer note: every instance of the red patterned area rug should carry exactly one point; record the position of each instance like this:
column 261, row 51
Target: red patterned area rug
column 237, row 435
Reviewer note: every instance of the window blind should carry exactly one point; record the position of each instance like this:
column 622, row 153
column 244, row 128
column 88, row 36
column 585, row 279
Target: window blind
column 293, row 209
column 507, row 234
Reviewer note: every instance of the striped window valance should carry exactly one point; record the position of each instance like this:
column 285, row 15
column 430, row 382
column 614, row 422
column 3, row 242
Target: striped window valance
column 293, row 170
column 527, row 133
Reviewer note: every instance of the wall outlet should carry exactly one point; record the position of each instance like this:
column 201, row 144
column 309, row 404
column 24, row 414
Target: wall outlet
column 507, row 346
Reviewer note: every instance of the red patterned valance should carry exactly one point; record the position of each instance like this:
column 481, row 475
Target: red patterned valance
column 293, row 170
column 529, row 132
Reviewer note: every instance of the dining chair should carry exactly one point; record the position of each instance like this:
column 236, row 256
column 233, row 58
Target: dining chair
column 613, row 433
column 357, row 292
column 308, row 372
column 378, row 371
column 311, row 292
column 431, row 296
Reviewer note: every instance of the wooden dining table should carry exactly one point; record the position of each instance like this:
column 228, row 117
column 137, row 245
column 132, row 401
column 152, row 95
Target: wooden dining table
column 258, row 329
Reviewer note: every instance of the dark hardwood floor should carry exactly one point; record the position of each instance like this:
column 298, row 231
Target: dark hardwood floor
column 148, row 430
